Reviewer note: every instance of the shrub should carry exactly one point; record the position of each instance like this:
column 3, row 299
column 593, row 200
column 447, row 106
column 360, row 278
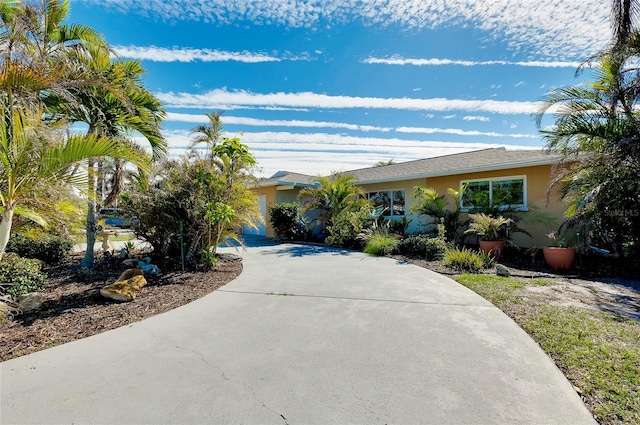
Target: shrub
column 287, row 222
column 347, row 226
column 464, row 260
column 381, row 244
column 50, row 249
column 21, row 275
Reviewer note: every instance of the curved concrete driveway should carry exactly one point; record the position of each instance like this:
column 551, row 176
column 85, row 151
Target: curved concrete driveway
column 305, row 335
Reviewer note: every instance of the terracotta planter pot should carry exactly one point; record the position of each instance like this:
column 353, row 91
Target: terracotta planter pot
column 492, row 248
column 559, row 258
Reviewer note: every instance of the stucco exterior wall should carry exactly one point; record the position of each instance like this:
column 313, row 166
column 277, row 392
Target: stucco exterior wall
column 275, row 196
column 537, row 181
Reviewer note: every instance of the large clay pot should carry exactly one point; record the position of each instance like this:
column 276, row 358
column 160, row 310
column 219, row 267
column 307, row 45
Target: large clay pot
column 559, row 258
column 492, row 248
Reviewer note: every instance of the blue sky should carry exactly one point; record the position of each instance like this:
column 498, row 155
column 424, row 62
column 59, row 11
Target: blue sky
column 318, row 86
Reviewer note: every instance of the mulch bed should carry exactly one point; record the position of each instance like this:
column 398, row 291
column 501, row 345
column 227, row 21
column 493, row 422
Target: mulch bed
column 73, row 307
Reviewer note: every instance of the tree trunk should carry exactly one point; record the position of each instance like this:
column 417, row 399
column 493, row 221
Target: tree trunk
column 117, row 184
column 92, row 225
column 5, row 229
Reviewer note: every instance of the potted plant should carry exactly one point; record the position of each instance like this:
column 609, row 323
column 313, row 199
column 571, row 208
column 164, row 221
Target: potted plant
column 559, row 256
column 492, row 231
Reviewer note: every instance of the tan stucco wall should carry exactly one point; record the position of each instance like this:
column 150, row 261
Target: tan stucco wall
column 537, row 178
column 274, row 196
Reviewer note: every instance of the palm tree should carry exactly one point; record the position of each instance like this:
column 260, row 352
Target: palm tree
column 597, row 131
column 331, row 196
column 125, row 108
column 383, row 163
column 209, row 134
column 30, row 158
column 67, row 68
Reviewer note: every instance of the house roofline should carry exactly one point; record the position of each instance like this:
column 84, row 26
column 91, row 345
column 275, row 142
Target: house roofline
column 496, row 167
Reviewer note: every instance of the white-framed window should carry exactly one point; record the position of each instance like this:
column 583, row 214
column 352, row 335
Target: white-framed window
column 392, row 202
column 501, row 192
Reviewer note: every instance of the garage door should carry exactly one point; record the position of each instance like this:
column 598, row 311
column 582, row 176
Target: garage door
column 262, row 228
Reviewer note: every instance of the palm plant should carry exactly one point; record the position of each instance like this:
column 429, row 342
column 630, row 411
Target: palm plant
column 489, row 228
column 331, row 196
column 210, row 133
column 30, row 158
column 430, row 202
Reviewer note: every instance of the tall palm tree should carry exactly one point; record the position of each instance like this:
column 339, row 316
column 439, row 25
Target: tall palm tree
column 121, row 108
column 625, row 15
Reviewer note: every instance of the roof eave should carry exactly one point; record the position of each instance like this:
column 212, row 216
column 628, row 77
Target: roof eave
column 533, row 163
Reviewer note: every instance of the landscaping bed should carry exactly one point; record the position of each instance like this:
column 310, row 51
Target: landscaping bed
column 73, row 307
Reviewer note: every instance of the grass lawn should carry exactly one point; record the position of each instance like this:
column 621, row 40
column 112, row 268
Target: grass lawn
column 599, row 352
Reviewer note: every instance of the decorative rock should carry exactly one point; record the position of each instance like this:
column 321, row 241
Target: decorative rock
column 30, row 302
column 127, row 287
column 502, row 270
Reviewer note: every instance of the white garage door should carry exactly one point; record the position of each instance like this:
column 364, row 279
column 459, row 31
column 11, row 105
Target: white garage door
column 262, row 228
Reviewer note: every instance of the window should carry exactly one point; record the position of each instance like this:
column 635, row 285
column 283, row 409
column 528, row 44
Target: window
column 509, row 192
column 392, row 202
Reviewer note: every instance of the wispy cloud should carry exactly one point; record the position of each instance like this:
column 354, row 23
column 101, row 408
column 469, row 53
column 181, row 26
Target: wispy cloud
column 476, row 118
column 549, row 28
column 460, row 132
column 240, row 99
column 398, row 60
column 255, row 122
column 322, row 153
column 175, row 54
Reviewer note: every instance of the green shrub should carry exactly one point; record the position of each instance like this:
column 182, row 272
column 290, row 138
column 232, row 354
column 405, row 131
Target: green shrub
column 20, row 276
column 287, row 222
column 347, row 227
column 422, row 245
column 464, row 260
column 50, row 249
column 381, row 244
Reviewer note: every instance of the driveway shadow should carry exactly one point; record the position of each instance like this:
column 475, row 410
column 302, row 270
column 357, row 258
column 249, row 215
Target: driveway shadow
column 296, row 250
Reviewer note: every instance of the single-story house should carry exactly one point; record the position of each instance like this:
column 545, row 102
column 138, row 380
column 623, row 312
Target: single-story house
column 523, row 175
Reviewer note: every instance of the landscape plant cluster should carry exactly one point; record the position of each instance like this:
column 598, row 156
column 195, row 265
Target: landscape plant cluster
column 54, row 179
column 346, row 219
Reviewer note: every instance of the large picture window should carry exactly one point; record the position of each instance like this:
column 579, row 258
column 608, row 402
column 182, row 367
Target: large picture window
column 392, row 202
column 504, row 192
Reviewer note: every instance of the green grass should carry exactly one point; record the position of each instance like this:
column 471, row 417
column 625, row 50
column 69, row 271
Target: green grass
column 599, row 352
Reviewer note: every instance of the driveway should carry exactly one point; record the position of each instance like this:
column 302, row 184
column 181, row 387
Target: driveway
column 306, row 335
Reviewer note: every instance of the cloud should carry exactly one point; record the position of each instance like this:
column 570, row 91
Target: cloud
column 255, row 122
column 398, row 60
column 322, row 153
column 460, row 132
column 476, row 118
column 223, row 99
column 547, row 28
column 195, row 118
column 175, row 54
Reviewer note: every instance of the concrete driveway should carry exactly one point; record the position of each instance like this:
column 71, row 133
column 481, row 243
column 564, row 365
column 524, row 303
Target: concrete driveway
column 306, row 335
